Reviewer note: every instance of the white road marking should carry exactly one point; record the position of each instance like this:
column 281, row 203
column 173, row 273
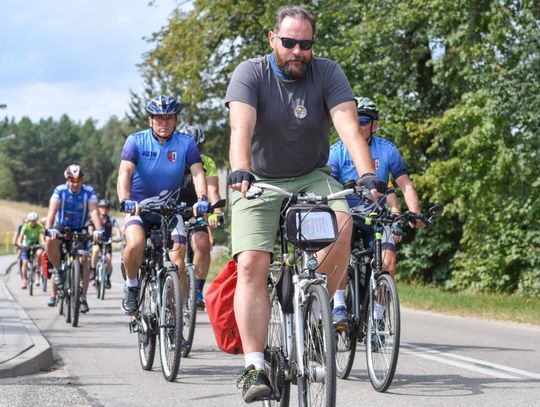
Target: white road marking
column 475, row 365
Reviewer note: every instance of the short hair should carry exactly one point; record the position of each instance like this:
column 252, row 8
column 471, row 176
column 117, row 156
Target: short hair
column 294, row 12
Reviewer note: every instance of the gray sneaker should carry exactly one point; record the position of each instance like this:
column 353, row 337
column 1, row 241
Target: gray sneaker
column 84, row 307
column 129, row 303
column 256, row 384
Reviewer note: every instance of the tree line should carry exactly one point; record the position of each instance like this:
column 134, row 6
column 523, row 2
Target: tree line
column 458, row 87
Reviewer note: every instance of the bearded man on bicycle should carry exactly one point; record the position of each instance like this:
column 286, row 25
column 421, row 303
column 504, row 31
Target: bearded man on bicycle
column 32, row 232
column 388, row 162
column 70, row 206
column 110, row 230
column 152, row 167
column 280, row 108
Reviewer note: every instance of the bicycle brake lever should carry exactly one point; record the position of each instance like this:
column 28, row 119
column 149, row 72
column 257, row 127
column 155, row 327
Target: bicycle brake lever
column 254, row 192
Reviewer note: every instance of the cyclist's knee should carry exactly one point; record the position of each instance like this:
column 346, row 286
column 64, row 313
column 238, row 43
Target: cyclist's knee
column 253, row 264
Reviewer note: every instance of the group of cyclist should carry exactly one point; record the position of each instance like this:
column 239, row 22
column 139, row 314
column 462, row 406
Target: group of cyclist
column 280, row 108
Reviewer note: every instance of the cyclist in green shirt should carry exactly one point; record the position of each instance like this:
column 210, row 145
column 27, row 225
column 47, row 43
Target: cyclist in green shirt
column 32, row 232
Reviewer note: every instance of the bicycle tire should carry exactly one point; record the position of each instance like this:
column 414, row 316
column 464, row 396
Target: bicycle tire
column 76, row 269
column 318, row 386
column 189, row 309
column 30, row 276
column 66, row 304
column 102, row 280
column 170, row 326
column 43, row 281
column 382, row 342
column 347, row 339
column 146, row 335
column 274, row 358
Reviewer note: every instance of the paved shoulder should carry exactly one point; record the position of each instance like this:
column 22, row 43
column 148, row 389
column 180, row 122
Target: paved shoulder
column 23, row 349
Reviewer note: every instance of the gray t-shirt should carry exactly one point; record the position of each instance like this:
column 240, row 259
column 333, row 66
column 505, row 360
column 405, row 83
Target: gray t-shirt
column 293, row 118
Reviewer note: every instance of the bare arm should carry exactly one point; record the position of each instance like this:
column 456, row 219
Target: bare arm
column 411, row 197
column 393, row 203
column 199, row 179
column 242, row 119
column 54, row 207
column 94, row 215
column 212, row 184
column 123, row 185
column 345, row 119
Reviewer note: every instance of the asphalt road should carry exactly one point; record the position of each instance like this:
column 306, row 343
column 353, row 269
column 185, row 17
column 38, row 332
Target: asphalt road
column 443, row 361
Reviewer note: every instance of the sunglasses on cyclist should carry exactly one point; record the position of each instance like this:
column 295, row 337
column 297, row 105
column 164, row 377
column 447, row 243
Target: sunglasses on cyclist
column 75, row 180
column 290, row 43
column 364, row 120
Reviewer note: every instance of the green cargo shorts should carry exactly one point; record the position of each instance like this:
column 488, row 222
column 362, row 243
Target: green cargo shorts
column 255, row 222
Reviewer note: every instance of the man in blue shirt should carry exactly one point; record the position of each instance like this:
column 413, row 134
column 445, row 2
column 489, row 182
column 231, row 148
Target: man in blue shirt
column 70, row 206
column 387, row 161
column 151, row 170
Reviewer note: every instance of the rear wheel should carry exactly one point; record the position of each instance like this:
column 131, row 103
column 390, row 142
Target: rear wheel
column 347, row 339
column 146, row 335
column 170, row 326
column 189, row 309
column 318, row 386
column 75, row 294
column 274, row 357
column 383, row 332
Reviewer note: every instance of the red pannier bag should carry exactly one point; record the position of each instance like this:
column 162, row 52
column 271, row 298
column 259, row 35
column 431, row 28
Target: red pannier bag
column 219, row 301
column 45, row 265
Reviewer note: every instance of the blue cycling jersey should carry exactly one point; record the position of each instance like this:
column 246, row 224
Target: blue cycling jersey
column 386, row 158
column 159, row 171
column 73, row 211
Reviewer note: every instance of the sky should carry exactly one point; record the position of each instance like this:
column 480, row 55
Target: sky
column 74, row 57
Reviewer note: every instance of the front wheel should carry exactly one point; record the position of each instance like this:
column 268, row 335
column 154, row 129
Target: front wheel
column 318, row 385
column 170, row 326
column 75, row 293
column 383, row 330
column 30, row 270
column 102, row 279
column 189, row 310
column 146, row 331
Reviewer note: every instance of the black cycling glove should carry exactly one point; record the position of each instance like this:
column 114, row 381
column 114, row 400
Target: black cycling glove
column 236, row 177
column 371, row 181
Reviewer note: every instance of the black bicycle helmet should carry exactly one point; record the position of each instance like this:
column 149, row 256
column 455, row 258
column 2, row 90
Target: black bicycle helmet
column 163, row 105
column 367, row 107
column 104, row 203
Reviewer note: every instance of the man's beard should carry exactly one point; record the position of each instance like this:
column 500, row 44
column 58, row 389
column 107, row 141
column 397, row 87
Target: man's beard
column 292, row 71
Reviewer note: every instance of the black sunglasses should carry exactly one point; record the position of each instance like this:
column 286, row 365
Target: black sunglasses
column 290, row 43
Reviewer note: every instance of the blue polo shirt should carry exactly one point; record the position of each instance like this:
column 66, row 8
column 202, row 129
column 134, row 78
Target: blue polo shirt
column 73, row 211
column 386, row 159
column 159, row 169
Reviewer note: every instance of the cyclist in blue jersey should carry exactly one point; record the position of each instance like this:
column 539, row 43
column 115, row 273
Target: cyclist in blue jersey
column 70, row 206
column 111, row 231
column 387, row 161
column 151, row 170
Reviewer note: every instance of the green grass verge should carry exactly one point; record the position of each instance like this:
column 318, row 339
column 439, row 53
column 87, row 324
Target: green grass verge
column 487, row 306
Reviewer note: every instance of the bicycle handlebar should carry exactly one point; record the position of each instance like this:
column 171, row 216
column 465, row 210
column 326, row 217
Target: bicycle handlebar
column 258, row 188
